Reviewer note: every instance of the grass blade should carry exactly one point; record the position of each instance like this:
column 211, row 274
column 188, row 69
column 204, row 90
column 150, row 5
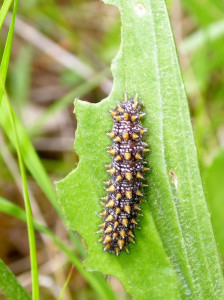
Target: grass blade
column 66, row 283
column 29, row 217
column 3, row 12
column 7, row 50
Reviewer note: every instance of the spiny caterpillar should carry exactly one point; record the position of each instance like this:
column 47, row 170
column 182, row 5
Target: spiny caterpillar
column 126, row 170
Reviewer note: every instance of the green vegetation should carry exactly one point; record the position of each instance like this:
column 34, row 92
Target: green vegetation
column 179, row 251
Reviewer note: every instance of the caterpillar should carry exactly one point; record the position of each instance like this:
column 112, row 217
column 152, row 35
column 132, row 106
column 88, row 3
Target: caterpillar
column 122, row 203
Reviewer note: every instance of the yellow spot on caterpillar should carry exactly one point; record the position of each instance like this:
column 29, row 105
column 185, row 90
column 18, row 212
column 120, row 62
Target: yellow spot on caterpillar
column 110, row 203
column 107, row 247
column 127, row 208
column 138, row 193
column 119, row 178
column 109, row 229
column 128, row 194
column 128, row 176
column 130, row 233
column 134, row 118
column 111, row 188
column 117, row 250
column 118, row 210
column 112, row 151
column 118, row 196
column 111, row 134
column 142, row 131
column 113, row 113
column 127, row 156
column 136, row 98
column 117, row 139
column 122, row 233
column 125, row 222
column 133, row 221
column 136, row 207
column 135, row 105
column 125, row 136
column 135, row 136
column 145, row 150
column 112, row 171
column 139, row 215
column 138, row 156
column 120, row 243
column 116, row 223
column 131, row 240
column 125, row 97
column 109, row 218
column 118, row 118
column 114, row 235
column 139, row 175
column 141, row 115
column 117, row 158
column 103, row 214
column 120, row 109
column 126, row 116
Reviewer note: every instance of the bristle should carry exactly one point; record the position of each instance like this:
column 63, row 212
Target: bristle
column 117, row 118
column 125, row 97
column 138, row 156
column 111, row 134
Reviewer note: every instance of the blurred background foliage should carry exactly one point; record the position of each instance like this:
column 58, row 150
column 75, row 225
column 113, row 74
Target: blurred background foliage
column 63, row 49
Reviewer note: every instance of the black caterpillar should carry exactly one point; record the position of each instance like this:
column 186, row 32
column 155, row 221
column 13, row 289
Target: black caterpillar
column 124, row 191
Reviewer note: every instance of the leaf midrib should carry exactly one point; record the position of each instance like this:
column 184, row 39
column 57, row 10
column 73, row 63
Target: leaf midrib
column 188, row 173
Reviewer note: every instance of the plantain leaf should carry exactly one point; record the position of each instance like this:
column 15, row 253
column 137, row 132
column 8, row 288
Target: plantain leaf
column 175, row 255
column 215, row 195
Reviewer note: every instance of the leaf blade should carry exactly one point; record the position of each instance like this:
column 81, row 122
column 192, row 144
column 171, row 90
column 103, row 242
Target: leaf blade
column 10, row 285
column 147, row 63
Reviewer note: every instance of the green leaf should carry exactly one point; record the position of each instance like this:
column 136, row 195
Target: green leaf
column 8, row 44
column 215, row 195
column 10, row 285
column 205, row 11
column 95, row 280
column 4, row 10
column 175, row 254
